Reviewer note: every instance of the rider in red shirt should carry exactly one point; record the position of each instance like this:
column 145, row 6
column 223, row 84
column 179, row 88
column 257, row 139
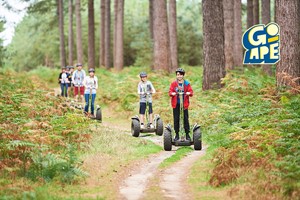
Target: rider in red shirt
column 180, row 85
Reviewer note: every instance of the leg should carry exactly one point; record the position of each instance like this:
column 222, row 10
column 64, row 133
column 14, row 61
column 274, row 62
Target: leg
column 76, row 93
column 150, row 113
column 176, row 114
column 93, row 103
column 142, row 112
column 87, row 98
column 66, row 89
column 62, row 89
column 186, row 123
column 81, row 91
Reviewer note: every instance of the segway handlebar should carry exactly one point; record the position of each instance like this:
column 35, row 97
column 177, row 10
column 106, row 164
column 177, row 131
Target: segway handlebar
column 180, row 93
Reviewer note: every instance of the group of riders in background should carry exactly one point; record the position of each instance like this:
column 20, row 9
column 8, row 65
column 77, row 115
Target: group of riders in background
column 80, row 84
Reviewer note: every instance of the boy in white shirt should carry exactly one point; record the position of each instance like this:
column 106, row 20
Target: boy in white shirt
column 145, row 89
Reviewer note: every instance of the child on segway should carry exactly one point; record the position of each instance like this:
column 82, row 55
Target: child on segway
column 145, row 90
column 182, row 87
column 91, row 85
column 77, row 79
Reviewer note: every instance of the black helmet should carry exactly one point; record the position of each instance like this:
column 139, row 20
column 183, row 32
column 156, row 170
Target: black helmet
column 143, row 74
column 78, row 64
column 91, row 70
column 180, row 70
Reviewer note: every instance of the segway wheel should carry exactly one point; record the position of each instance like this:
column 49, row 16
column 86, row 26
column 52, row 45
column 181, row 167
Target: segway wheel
column 197, row 139
column 99, row 114
column 159, row 127
column 167, row 140
column 135, row 128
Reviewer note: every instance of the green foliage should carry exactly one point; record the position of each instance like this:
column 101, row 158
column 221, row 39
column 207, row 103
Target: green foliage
column 1, row 43
column 49, row 166
column 253, row 131
column 179, row 154
column 35, row 129
column 35, row 43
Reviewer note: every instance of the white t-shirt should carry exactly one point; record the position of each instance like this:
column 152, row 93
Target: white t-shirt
column 90, row 83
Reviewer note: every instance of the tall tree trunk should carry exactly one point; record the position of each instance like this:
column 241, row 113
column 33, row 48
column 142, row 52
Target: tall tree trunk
column 102, row 33
column 91, row 34
column 266, row 11
column 266, row 18
column 249, row 13
column 255, row 12
column 213, row 37
column 173, row 35
column 238, row 49
column 228, row 32
column 71, row 35
column 151, row 18
column 288, row 18
column 78, row 32
column 61, row 33
column 118, row 40
column 161, row 36
column 107, row 34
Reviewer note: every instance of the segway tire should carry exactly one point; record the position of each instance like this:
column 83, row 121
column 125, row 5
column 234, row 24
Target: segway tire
column 167, row 140
column 99, row 114
column 135, row 128
column 159, row 127
column 197, row 139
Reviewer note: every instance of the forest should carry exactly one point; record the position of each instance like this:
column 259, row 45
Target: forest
column 249, row 114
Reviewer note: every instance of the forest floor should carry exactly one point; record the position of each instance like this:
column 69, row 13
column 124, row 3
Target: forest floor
column 145, row 179
column 137, row 180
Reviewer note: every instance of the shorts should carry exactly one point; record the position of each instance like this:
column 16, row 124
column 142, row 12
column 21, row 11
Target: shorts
column 76, row 90
column 143, row 108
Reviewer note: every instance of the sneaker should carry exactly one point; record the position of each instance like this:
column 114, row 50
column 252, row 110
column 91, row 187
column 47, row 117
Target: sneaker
column 142, row 126
column 176, row 137
column 151, row 126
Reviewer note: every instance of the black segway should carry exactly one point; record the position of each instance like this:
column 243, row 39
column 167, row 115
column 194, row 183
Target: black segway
column 168, row 139
column 98, row 115
column 157, row 123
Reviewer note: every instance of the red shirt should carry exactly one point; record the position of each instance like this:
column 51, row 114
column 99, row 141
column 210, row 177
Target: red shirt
column 187, row 88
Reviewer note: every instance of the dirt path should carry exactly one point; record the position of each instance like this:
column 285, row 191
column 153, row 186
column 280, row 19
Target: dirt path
column 134, row 186
column 136, row 181
column 173, row 180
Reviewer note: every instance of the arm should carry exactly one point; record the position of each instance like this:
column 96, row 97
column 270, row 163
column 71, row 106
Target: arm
column 84, row 82
column 96, row 83
column 139, row 89
column 190, row 90
column 73, row 77
column 152, row 88
column 59, row 77
column 172, row 90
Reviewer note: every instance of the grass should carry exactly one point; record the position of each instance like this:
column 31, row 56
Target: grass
column 179, row 154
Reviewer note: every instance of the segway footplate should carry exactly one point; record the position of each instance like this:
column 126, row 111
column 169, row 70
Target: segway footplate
column 182, row 143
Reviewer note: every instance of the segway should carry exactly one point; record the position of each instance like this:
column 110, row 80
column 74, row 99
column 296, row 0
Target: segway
column 168, row 139
column 157, row 123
